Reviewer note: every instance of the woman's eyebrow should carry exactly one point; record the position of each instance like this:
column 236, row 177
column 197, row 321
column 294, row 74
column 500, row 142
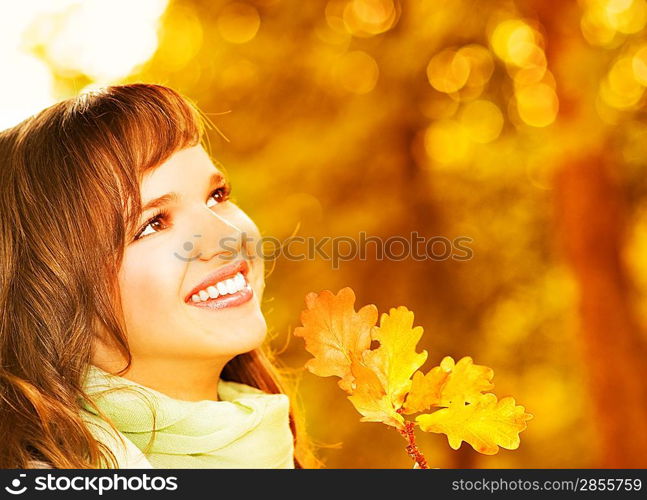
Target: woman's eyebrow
column 173, row 197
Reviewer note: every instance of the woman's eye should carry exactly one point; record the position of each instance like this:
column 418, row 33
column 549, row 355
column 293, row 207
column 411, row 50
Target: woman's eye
column 219, row 195
column 152, row 223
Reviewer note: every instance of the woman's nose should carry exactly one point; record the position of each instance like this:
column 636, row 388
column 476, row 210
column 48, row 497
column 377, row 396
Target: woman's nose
column 219, row 236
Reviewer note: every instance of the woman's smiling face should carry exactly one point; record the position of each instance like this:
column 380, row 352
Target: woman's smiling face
column 201, row 232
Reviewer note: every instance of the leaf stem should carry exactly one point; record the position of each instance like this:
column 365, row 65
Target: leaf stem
column 412, row 449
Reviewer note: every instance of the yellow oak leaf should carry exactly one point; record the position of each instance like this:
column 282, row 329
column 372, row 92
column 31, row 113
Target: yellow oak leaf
column 485, row 424
column 396, row 359
column 448, row 383
column 425, row 390
column 466, row 381
column 334, row 333
column 369, row 397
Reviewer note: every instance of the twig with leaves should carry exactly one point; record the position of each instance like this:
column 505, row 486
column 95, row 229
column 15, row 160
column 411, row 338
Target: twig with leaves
column 385, row 383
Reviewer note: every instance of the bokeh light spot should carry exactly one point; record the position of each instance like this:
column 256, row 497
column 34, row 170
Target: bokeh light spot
column 481, row 64
column 620, row 89
column 483, row 120
column 238, row 22
column 448, row 71
column 626, row 16
column 595, row 29
column 639, row 65
column 447, row 142
column 533, row 68
column 537, row 104
column 514, row 41
column 357, row 72
column 366, row 18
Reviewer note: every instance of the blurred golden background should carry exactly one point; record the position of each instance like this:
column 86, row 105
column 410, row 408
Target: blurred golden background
column 518, row 124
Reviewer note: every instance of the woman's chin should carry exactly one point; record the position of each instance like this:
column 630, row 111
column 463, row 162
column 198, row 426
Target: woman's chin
column 229, row 331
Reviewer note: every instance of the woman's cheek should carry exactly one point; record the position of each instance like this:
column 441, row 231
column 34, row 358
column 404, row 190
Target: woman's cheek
column 147, row 282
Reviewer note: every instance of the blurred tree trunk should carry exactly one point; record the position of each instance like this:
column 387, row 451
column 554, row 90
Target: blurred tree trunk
column 591, row 213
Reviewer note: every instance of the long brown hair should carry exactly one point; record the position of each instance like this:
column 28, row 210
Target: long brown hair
column 69, row 198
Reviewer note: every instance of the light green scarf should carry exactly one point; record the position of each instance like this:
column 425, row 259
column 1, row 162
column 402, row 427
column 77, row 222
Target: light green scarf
column 247, row 428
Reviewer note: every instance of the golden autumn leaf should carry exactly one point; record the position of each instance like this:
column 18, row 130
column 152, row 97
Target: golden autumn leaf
column 425, row 390
column 334, row 333
column 485, row 424
column 370, row 398
column 448, row 383
column 396, row 359
column 466, row 381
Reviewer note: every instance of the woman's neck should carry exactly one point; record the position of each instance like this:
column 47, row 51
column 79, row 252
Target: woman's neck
column 185, row 380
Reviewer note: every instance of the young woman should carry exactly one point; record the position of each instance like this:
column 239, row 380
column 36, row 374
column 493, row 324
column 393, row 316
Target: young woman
column 131, row 332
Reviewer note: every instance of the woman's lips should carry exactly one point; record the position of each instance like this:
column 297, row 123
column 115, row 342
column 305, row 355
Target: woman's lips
column 223, row 301
column 220, row 274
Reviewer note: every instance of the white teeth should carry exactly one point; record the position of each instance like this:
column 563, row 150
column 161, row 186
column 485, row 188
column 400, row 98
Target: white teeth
column 238, row 282
column 226, row 287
